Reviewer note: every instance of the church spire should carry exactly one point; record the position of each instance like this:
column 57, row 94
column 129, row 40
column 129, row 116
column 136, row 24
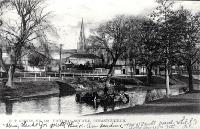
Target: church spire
column 81, row 44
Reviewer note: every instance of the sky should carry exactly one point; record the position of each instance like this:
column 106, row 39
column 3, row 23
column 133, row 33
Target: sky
column 67, row 15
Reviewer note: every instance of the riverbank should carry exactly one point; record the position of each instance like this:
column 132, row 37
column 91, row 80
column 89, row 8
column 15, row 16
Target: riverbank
column 61, row 87
column 69, row 85
column 185, row 103
column 29, row 89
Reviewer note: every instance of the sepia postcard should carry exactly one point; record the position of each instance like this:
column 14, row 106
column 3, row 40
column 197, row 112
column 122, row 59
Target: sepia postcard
column 98, row 64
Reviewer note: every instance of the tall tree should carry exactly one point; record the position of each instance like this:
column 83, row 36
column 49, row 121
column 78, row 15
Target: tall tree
column 161, row 15
column 150, row 47
column 2, row 65
column 21, row 33
column 189, row 39
column 112, row 35
column 134, row 36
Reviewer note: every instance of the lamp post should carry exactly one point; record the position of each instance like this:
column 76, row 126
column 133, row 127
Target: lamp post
column 60, row 65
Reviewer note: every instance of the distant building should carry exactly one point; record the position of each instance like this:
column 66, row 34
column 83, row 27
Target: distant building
column 81, row 56
column 55, row 54
column 37, row 64
column 84, row 58
column 123, row 65
column 81, row 45
column 54, row 66
column 24, row 63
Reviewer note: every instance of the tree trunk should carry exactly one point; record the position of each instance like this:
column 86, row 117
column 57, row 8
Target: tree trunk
column 111, row 72
column 10, row 77
column 125, row 66
column 149, row 74
column 11, row 69
column 189, row 69
column 131, row 67
column 2, row 65
column 168, row 92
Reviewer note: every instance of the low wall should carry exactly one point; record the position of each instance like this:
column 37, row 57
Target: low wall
column 140, row 96
column 137, row 97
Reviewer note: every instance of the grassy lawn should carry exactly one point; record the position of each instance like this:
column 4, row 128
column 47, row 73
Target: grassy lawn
column 154, row 80
column 139, row 80
column 126, row 81
column 157, row 81
column 185, row 79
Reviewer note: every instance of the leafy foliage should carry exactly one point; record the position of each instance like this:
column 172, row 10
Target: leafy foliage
column 37, row 59
column 113, row 37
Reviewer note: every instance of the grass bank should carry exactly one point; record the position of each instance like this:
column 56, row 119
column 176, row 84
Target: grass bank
column 29, row 89
column 156, row 80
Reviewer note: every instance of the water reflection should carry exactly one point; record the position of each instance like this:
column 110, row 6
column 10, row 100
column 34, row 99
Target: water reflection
column 59, row 106
column 54, row 104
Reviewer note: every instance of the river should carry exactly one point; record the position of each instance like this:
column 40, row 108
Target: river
column 53, row 105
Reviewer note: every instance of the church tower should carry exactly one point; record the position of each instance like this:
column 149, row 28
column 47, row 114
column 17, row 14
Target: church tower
column 81, row 44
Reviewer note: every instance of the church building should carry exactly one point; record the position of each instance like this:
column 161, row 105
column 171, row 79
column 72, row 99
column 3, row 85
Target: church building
column 82, row 57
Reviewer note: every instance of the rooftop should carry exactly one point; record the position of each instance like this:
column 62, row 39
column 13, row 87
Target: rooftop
column 84, row 55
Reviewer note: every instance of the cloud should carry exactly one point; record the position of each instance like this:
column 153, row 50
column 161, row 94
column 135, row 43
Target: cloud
column 68, row 14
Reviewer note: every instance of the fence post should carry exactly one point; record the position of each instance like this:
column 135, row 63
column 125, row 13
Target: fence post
column 20, row 79
column 40, row 74
column 62, row 77
column 49, row 78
